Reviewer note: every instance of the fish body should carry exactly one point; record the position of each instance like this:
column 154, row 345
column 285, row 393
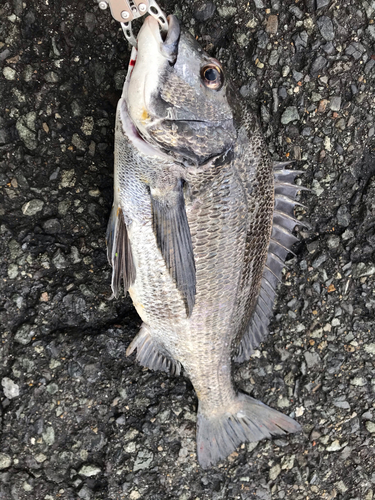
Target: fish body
column 199, row 231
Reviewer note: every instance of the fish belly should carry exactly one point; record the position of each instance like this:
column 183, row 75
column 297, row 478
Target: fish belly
column 216, row 212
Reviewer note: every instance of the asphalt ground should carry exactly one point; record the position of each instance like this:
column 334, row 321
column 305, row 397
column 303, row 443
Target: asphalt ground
column 79, row 420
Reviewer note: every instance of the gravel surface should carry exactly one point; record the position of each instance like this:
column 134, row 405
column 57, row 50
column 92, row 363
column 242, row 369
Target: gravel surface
column 79, row 420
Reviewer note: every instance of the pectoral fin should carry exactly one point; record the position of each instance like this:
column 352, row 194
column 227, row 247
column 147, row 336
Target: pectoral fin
column 173, row 238
column 119, row 251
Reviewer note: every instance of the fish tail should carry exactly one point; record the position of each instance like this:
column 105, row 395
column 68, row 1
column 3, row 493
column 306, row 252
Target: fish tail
column 245, row 420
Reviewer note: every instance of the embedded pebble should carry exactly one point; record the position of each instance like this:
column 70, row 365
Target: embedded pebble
column 325, row 26
column 203, row 12
column 290, row 114
column 312, row 359
column 89, row 470
column 32, row 207
column 5, row 461
column 11, row 389
column 274, row 472
column 143, row 460
column 9, row 73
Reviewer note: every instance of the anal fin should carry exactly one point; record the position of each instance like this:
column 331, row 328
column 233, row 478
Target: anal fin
column 119, row 251
column 150, row 354
column 173, row 238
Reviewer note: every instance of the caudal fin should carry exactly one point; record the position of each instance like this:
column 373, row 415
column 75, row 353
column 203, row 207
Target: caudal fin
column 247, row 419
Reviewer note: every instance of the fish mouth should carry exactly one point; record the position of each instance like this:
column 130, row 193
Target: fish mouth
column 166, row 41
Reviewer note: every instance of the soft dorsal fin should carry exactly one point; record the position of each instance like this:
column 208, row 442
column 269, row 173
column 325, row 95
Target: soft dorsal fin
column 280, row 245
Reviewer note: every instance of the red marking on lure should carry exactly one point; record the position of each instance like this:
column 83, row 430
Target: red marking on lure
column 132, row 62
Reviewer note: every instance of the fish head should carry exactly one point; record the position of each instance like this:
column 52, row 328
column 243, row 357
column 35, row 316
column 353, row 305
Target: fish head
column 176, row 95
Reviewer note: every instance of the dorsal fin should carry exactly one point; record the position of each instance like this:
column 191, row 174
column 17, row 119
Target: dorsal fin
column 280, row 245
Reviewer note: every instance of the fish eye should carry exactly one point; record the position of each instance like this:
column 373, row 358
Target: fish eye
column 212, row 76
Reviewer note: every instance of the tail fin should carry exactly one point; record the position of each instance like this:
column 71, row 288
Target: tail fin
column 247, row 419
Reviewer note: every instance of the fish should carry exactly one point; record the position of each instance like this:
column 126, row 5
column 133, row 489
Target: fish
column 199, row 230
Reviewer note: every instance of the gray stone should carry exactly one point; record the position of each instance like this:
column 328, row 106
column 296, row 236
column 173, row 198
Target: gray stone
column 89, row 470
column 370, row 426
column 52, row 226
column 361, row 269
column 322, row 3
column 5, row 461
column 319, row 63
column 343, row 216
column 335, row 103
column 87, row 126
column 11, row 390
column 68, row 179
column 326, row 28
column 143, row 460
column 4, row 136
column 297, row 75
column 371, row 31
column 300, row 40
column 329, row 48
column 342, row 404
column 119, row 79
column 204, row 11
column 227, row 11
column 347, row 234
column 12, row 271
column 290, row 114
column 370, row 348
column 296, row 11
column 85, row 493
column 274, row 472
column 24, row 334
column 52, row 388
column 312, row 359
column 358, row 381
column 59, row 260
column 369, row 66
column 51, row 77
column 90, row 21
column 355, row 50
column 78, row 142
column 25, row 126
column 9, row 73
column 49, row 436
column 32, row 207
column 333, row 242
column 335, row 446
column 316, row 263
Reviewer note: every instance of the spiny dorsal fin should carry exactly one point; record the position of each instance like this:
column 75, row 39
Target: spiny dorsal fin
column 280, row 244
column 119, row 251
column 173, row 238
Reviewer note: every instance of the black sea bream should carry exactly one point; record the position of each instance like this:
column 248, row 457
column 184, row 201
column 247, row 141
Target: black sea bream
column 200, row 228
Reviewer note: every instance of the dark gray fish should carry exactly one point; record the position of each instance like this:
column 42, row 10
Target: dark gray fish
column 200, row 228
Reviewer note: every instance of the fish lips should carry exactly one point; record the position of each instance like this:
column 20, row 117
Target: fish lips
column 169, row 46
column 166, row 41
